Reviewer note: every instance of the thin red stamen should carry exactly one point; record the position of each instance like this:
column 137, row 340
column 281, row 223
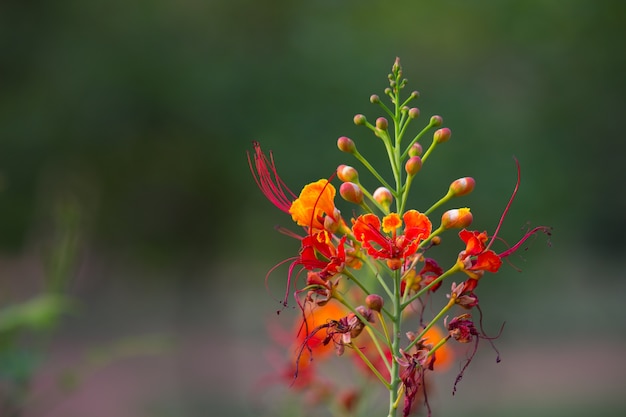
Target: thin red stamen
column 506, row 209
column 268, row 181
column 544, row 229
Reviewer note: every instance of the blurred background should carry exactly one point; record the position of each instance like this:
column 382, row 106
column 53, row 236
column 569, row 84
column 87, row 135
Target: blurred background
column 124, row 183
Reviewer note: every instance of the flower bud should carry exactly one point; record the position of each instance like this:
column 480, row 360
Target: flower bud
column 374, row 99
column 462, row 186
column 383, row 197
column 346, row 145
column 414, row 112
column 374, row 302
column 415, row 94
column 382, row 123
column 436, row 121
column 347, row 173
column 416, row 149
column 359, row 119
column 442, row 135
column 413, row 165
column 457, row 218
column 351, row 192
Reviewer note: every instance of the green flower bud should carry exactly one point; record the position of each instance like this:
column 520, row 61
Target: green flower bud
column 413, row 165
column 414, row 113
column 347, row 173
column 346, row 145
column 442, row 135
column 416, row 150
column 382, row 123
column 374, row 99
column 359, row 119
column 351, row 192
column 436, row 121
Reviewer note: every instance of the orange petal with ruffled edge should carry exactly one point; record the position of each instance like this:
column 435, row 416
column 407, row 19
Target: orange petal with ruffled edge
column 315, row 199
column 417, row 226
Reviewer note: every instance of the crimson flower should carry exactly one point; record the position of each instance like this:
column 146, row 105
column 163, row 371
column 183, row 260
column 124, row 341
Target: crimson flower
column 320, row 245
column 476, row 258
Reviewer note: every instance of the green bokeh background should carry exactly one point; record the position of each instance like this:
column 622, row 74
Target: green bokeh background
column 142, row 112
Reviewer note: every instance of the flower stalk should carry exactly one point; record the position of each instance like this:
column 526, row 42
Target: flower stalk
column 383, row 249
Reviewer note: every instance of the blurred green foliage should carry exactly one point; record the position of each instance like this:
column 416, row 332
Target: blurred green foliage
column 144, row 111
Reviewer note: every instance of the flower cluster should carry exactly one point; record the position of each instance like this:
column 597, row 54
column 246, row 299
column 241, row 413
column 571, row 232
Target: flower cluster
column 369, row 276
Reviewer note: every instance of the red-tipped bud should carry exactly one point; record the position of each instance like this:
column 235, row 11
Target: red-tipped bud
column 457, row 218
column 374, row 99
column 351, row 192
column 462, row 186
column 346, row 144
column 442, row 135
column 359, row 119
column 436, row 121
column 347, row 173
column 414, row 112
column 413, row 165
column 383, row 197
column 374, row 302
column 382, row 123
column 416, row 150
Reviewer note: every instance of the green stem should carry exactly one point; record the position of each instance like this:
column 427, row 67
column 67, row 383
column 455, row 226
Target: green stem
column 435, row 319
column 441, row 277
column 371, row 169
column 441, row 201
column 395, row 345
column 369, row 365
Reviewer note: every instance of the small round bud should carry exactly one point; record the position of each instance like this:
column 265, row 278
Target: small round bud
column 351, row 192
column 382, row 123
column 383, row 197
column 413, row 165
column 414, row 112
column 416, row 150
column 347, row 173
column 374, row 302
column 442, row 135
column 457, row 218
column 359, row 119
column 415, row 94
column 345, row 144
column 435, row 241
column 388, row 91
column 374, row 99
column 436, row 121
column 462, row 186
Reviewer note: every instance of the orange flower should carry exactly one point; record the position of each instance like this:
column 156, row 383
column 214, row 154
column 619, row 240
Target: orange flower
column 315, row 203
column 389, row 245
